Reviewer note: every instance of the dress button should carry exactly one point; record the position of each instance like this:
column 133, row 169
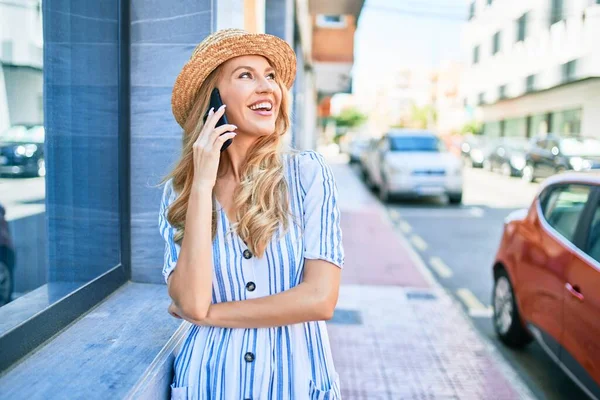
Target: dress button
column 250, row 286
column 247, row 254
column 249, row 357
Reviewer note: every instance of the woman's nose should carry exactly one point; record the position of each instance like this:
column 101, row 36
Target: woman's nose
column 264, row 86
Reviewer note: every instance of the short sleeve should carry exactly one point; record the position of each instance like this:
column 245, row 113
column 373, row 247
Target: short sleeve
column 322, row 230
column 168, row 231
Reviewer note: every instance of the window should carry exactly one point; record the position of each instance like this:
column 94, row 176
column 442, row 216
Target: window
column 567, row 122
column 568, row 71
column 556, row 11
column 472, row 11
column 563, row 206
column 496, row 43
column 530, row 83
column 490, row 2
column 592, row 246
column 63, row 219
column 415, row 143
column 522, row 28
column 475, row 55
column 481, row 99
column 502, row 92
column 331, row 21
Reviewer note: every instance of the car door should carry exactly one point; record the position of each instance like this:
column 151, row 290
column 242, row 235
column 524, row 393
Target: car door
column 581, row 336
column 545, row 258
column 548, row 158
column 535, row 155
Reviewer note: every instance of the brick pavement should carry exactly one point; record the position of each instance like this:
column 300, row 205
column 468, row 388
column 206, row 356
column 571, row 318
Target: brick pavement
column 396, row 333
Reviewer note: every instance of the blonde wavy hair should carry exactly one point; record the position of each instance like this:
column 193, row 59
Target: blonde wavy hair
column 260, row 200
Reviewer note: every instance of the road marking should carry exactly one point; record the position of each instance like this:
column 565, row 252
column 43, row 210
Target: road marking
column 405, row 226
column 418, row 242
column 440, row 267
column 466, row 212
column 475, row 307
column 395, row 215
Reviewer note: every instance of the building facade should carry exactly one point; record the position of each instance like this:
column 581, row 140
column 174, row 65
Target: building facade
column 534, row 67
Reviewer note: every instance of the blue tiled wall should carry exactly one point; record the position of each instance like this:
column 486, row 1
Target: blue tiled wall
column 163, row 36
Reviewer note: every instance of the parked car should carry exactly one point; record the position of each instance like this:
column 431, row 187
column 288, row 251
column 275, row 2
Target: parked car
column 475, row 150
column 356, row 147
column 7, row 260
column 413, row 163
column 547, row 276
column 22, row 151
column 553, row 154
column 508, row 156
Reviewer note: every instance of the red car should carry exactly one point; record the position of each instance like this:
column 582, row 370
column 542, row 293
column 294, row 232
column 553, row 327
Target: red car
column 547, row 277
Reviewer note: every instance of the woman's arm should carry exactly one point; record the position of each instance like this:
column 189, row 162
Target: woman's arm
column 314, row 299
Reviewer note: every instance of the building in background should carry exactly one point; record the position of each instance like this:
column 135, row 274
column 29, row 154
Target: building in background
column 534, row 66
column 448, row 103
column 21, row 98
column 333, row 27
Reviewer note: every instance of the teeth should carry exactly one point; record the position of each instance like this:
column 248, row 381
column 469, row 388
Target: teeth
column 267, row 106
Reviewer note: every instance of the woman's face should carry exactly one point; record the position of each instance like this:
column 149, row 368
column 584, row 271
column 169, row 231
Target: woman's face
column 251, row 93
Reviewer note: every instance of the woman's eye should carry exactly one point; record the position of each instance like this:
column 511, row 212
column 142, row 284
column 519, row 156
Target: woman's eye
column 245, row 75
column 271, row 76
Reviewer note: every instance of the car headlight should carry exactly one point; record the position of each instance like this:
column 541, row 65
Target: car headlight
column 25, row 150
column 518, row 162
column 580, row 164
column 477, row 155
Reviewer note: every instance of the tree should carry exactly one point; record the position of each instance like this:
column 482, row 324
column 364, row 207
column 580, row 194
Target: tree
column 349, row 118
column 473, row 127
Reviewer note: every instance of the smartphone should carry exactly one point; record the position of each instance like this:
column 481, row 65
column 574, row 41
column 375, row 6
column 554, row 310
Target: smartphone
column 215, row 103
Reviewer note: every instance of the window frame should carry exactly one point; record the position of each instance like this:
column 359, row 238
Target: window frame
column 56, row 316
column 583, row 223
column 521, row 23
column 497, row 43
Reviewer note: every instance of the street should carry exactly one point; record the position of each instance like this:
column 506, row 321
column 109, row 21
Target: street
column 458, row 245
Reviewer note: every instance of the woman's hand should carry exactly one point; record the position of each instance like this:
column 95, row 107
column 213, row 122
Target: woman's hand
column 207, row 148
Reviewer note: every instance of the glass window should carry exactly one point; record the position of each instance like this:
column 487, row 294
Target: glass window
column 530, row 83
column 593, row 242
column 475, row 54
column 563, row 207
column 515, row 127
column 496, row 43
column 471, row 10
column 331, row 21
column 522, row 28
column 556, row 11
column 60, row 200
column 568, row 71
column 416, row 143
column 567, row 122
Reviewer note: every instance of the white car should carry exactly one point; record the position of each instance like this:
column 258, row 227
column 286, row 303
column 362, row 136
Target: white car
column 413, row 163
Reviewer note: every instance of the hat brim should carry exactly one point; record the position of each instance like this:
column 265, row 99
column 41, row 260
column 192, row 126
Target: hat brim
column 205, row 60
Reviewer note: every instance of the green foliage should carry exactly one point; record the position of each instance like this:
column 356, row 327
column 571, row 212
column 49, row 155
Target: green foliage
column 349, row 118
column 473, row 127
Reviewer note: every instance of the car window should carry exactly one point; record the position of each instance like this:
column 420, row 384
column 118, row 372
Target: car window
column 593, row 241
column 416, row 143
column 563, row 207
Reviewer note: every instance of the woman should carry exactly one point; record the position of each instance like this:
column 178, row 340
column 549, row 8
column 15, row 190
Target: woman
column 257, row 271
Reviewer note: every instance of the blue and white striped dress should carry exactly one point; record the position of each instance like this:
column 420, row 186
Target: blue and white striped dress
column 289, row 362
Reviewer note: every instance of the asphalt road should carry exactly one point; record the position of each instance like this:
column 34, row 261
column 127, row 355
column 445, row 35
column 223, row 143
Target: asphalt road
column 458, row 244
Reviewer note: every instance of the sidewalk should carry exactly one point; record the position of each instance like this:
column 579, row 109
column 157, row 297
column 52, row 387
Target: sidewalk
column 396, row 333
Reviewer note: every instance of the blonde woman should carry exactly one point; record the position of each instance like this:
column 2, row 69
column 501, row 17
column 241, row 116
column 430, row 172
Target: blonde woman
column 253, row 242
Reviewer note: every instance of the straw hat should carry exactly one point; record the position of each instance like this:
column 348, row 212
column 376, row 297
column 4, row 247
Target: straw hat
column 219, row 47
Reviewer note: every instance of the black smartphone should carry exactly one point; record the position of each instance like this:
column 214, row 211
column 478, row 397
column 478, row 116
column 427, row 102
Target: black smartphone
column 216, row 103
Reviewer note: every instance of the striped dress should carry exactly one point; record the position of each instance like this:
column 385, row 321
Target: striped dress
column 289, row 362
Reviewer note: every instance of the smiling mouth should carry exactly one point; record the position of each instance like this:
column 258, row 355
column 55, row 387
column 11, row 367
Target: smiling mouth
column 261, row 106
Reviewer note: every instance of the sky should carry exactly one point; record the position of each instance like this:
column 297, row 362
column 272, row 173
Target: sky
column 392, row 34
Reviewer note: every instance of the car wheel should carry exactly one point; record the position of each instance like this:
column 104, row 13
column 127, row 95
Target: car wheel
column 506, row 169
column 5, row 284
column 384, row 191
column 507, row 320
column 527, row 175
column 455, row 198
